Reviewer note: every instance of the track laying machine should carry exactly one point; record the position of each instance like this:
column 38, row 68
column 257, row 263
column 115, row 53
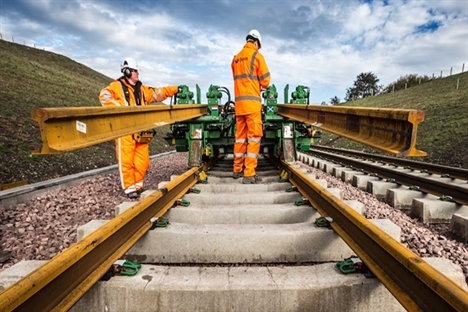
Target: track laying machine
column 213, row 135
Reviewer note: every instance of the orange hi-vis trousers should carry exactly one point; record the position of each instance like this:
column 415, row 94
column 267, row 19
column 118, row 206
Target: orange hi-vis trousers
column 249, row 132
column 133, row 160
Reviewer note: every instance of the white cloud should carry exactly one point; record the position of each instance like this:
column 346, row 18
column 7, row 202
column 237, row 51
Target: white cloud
column 322, row 44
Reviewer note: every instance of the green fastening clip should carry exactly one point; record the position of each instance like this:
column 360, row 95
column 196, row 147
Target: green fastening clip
column 183, row 202
column 323, row 221
column 446, row 198
column 194, row 190
column 125, row 267
column 300, row 202
column 350, row 265
column 291, row 189
column 158, row 222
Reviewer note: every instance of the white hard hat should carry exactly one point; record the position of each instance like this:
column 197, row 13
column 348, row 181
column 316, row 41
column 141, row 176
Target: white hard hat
column 129, row 62
column 255, row 34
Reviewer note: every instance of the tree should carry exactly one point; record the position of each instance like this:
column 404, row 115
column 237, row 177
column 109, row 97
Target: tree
column 365, row 85
column 334, row 100
column 405, row 82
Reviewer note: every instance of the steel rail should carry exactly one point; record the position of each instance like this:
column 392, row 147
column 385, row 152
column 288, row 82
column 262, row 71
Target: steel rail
column 414, row 283
column 61, row 282
column 457, row 191
column 65, row 129
column 390, row 130
column 452, row 172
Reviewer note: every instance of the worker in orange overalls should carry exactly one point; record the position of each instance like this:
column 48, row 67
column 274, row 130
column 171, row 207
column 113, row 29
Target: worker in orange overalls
column 132, row 155
column 250, row 73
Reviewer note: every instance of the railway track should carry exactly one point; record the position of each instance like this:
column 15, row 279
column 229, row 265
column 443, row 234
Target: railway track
column 226, row 230
column 432, row 193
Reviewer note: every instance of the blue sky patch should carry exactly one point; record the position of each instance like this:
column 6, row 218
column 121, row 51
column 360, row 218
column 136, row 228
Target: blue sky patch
column 429, row 27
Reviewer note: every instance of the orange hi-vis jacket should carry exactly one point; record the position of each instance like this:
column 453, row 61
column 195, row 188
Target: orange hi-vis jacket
column 132, row 157
column 250, row 73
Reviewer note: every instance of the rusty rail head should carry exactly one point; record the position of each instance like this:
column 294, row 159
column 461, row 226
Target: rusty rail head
column 393, row 131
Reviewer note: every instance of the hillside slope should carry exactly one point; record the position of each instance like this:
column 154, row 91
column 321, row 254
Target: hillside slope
column 444, row 132
column 34, row 78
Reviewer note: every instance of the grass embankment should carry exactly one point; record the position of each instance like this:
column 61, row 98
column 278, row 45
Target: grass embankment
column 444, row 132
column 33, row 78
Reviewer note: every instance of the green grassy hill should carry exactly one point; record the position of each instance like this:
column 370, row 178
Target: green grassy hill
column 444, row 132
column 35, row 78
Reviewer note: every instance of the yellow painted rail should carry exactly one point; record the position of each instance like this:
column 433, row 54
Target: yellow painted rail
column 69, row 128
column 62, row 281
column 390, row 130
column 415, row 283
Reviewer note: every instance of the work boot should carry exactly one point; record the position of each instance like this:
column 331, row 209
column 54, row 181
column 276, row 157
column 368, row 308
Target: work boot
column 252, row 180
column 132, row 195
column 237, row 175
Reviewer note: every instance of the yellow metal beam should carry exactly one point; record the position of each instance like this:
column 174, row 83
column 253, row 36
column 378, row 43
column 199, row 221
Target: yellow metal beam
column 390, row 130
column 69, row 128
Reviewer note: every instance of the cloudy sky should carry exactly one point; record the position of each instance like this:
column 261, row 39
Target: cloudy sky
column 320, row 44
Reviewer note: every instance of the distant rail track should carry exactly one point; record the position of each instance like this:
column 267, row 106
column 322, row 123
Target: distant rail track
column 443, row 181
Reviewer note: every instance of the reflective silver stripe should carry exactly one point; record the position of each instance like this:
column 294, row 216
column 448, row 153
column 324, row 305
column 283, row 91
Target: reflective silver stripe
column 239, row 155
column 255, row 139
column 248, row 98
column 252, row 64
column 241, row 141
column 106, row 98
column 264, row 76
column 245, row 76
column 251, row 155
column 241, row 76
